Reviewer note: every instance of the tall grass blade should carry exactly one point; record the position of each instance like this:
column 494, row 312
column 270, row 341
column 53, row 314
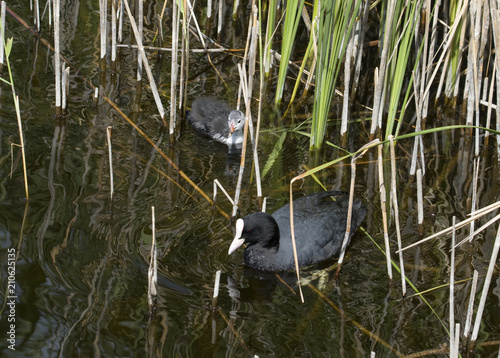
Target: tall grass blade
column 336, row 20
column 292, row 19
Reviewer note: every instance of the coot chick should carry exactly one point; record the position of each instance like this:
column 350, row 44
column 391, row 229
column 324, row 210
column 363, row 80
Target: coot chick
column 320, row 225
column 217, row 120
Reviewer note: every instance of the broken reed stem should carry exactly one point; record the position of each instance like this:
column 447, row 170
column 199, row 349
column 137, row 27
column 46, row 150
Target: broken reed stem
column 478, row 214
column 347, row 88
column 216, row 289
column 2, row 32
column 292, row 231
column 251, row 68
column 120, row 23
column 395, row 206
column 475, row 175
column 380, row 84
column 140, row 30
column 103, row 13
column 108, row 136
column 57, row 58
column 152, row 83
column 193, row 50
column 470, row 310
column 242, row 72
column 174, row 69
column 456, row 344
column 153, row 266
column 362, row 151
column 383, row 205
column 349, row 216
column 218, row 184
column 487, row 281
column 420, row 199
column 220, row 17
column 418, row 143
column 452, row 292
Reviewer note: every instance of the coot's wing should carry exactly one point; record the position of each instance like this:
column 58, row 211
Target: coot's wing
column 319, row 224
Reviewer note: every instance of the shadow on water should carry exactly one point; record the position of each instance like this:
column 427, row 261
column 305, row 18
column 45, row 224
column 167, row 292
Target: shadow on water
column 81, row 270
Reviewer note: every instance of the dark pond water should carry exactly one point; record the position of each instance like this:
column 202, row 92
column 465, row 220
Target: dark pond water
column 81, row 258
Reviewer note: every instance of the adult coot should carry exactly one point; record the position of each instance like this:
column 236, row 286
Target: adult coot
column 320, row 225
column 217, row 120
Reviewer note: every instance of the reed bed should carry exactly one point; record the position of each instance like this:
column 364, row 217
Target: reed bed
column 405, row 80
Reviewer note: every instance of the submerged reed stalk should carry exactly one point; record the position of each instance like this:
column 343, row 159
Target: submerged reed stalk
column 153, row 266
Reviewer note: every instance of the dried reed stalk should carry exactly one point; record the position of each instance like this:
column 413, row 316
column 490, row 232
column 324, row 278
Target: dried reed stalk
column 153, row 265
column 420, row 198
column 2, row 32
column 152, row 83
column 218, row 184
column 21, row 139
column 383, row 206
column 479, row 213
column 216, row 289
column 57, row 58
column 174, row 68
column 452, row 292
column 470, row 309
column 103, row 21
column 380, row 85
column 37, row 15
column 345, row 241
column 65, row 87
column 487, row 282
column 140, row 30
column 395, row 206
column 113, row 30
column 111, row 180
column 475, row 178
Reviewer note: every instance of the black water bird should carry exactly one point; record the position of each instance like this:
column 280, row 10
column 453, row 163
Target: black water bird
column 217, row 120
column 320, row 225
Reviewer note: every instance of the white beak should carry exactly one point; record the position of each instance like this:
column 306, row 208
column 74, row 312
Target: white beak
column 238, row 240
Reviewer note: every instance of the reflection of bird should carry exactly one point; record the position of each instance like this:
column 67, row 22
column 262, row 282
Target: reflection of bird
column 216, row 119
column 319, row 225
